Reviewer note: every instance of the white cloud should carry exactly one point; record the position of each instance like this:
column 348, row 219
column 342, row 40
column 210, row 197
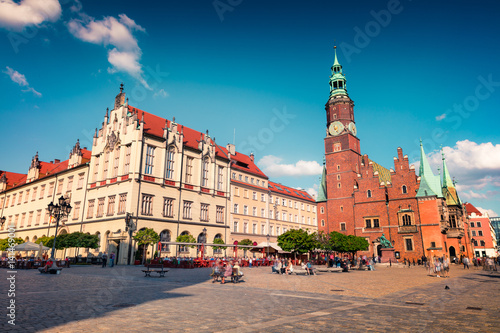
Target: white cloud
column 472, row 195
column 161, row 93
column 20, row 79
column 17, row 15
column 313, row 191
column 441, row 117
column 490, row 212
column 272, row 166
column 116, row 35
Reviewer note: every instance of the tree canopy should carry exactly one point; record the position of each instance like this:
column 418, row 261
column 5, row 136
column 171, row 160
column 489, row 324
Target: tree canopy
column 4, row 243
column 245, row 241
column 297, row 241
column 219, row 241
column 146, row 237
column 186, row 239
column 339, row 242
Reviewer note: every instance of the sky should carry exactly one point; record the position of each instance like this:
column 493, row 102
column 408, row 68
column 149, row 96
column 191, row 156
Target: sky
column 256, row 73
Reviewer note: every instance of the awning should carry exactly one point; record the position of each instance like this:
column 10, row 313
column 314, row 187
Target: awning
column 274, row 246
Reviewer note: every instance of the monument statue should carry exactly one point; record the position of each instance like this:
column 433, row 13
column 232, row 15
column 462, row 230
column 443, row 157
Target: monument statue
column 386, row 244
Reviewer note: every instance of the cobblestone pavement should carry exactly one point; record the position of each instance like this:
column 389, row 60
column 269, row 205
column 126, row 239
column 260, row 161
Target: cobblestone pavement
column 94, row 299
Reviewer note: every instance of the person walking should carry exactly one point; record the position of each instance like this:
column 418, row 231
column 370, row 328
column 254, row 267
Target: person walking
column 465, row 261
column 104, row 259
column 112, row 259
column 446, row 266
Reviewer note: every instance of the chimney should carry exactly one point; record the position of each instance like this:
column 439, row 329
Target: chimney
column 57, row 161
column 231, row 149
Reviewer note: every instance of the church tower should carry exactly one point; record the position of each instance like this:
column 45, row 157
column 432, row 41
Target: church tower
column 342, row 154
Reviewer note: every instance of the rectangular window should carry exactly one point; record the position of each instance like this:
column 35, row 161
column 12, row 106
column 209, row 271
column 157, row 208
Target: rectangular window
column 263, row 229
column 147, row 204
column 46, row 219
column 245, row 210
column 277, row 231
column 13, row 200
column 96, row 169
column 254, row 211
column 376, row 223
column 80, row 181
column 38, row 216
column 254, row 228
column 170, row 163
column 189, row 170
column 116, row 163
column 368, row 223
column 60, row 184
column 30, row 219
column 271, row 214
column 409, row 244
column 100, row 207
column 16, row 219
column 220, row 178
column 235, row 210
column 20, row 198
column 204, row 180
column 342, row 226
column 254, row 195
column 220, row 214
column 245, row 227
column 90, row 209
column 23, row 217
column 111, row 205
column 473, row 232
column 479, row 233
column 106, row 165
column 42, row 192
column 70, row 184
column 204, row 212
column 271, row 230
column 122, row 203
column 472, row 224
column 235, row 226
column 263, row 197
column 76, row 211
column 168, row 207
column 128, row 152
column 478, row 224
column 150, row 156
column 186, row 212
column 26, row 198
column 262, row 212
column 308, row 220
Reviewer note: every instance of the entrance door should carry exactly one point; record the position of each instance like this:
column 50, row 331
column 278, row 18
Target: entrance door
column 453, row 253
column 114, row 246
column 379, row 250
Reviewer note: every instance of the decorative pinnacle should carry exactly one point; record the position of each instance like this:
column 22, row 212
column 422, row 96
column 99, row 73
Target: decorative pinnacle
column 121, row 87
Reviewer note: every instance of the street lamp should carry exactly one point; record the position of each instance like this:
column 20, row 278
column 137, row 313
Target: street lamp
column 61, row 209
column 130, row 226
column 203, row 241
column 267, row 236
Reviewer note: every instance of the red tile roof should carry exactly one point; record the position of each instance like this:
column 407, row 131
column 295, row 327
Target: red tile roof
column 13, row 179
column 244, row 163
column 471, row 209
column 289, row 191
column 154, row 125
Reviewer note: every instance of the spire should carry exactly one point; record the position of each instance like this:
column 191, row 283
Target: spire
column 322, row 194
column 449, row 190
column 337, row 79
column 430, row 185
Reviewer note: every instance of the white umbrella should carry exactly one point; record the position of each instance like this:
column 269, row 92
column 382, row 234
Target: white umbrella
column 29, row 246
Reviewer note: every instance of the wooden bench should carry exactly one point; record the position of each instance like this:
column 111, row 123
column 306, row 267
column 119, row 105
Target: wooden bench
column 154, row 268
column 50, row 270
column 235, row 277
column 330, row 269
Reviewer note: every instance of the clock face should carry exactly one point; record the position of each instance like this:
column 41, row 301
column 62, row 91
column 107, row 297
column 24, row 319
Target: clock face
column 336, row 128
column 352, row 129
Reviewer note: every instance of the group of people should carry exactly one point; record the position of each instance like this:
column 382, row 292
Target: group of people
column 283, row 266
column 439, row 266
column 488, row 263
column 225, row 270
column 104, row 259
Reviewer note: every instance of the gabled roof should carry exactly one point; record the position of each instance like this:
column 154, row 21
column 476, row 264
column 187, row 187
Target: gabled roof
column 13, row 179
column 244, row 163
column 154, row 125
column 277, row 188
column 471, row 209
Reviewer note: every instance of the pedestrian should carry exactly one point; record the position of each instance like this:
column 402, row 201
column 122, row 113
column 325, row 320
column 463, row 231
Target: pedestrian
column 465, row 261
column 446, row 266
column 438, row 265
column 104, row 259
column 112, row 259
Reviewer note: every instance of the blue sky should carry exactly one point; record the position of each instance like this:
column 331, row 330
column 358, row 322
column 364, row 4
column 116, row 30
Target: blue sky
column 256, row 72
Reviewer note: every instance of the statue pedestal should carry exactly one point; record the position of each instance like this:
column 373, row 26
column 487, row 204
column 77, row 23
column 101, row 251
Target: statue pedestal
column 387, row 255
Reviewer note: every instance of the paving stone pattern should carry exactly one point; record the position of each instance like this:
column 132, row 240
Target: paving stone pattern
column 121, row 299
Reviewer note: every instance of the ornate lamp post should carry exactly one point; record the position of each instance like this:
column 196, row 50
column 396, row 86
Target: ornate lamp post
column 61, row 209
column 130, row 226
column 267, row 236
column 203, row 241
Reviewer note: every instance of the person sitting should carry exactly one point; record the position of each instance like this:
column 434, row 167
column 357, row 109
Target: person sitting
column 309, row 268
column 48, row 265
column 217, row 272
column 276, row 268
column 289, row 268
column 227, row 272
column 282, row 266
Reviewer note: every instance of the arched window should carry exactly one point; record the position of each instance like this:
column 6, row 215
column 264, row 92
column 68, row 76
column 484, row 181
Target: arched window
column 404, row 189
column 406, row 219
column 322, row 209
column 369, row 193
column 183, row 248
column 218, row 251
column 170, row 163
column 165, row 236
column 98, row 239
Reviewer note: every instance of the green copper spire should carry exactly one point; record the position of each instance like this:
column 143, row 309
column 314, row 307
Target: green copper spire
column 430, row 185
column 322, row 187
column 337, row 79
column 449, row 190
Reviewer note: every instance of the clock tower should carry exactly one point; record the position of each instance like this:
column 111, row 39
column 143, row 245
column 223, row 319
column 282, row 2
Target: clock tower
column 342, row 154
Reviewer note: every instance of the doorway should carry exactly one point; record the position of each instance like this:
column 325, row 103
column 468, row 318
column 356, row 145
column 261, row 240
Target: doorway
column 453, row 252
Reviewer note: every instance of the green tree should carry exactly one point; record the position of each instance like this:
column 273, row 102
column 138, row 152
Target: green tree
column 146, row 237
column 46, row 241
column 245, row 241
column 347, row 243
column 4, row 243
column 186, row 239
column 297, row 241
column 219, row 241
